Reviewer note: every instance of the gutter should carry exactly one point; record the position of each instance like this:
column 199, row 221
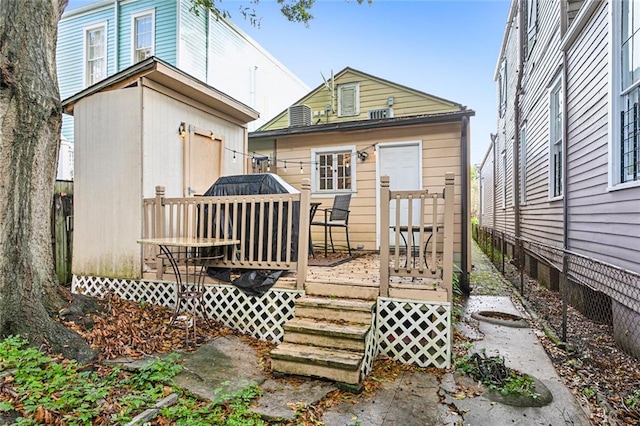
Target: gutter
column 464, row 281
column 446, row 117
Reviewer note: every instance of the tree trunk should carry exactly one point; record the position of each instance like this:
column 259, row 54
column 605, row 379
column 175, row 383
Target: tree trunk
column 30, row 125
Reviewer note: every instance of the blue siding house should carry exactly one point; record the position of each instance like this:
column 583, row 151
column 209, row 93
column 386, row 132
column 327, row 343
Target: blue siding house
column 102, row 38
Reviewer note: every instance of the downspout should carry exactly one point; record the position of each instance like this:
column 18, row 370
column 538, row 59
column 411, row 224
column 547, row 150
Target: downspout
column 116, row 24
column 517, row 124
column 495, row 205
column 464, row 263
column 565, row 149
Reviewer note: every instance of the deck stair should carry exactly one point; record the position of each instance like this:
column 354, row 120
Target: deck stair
column 326, row 338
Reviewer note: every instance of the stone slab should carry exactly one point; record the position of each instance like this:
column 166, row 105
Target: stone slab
column 221, row 368
column 280, row 397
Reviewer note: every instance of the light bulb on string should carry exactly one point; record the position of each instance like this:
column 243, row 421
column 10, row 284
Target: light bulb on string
column 301, row 171
column 285, row 166
column 234, row 156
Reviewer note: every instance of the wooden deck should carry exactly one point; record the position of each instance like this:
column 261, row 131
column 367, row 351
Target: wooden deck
column 360, row 273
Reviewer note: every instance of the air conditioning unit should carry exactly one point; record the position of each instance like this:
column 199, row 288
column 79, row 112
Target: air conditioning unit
column 299, row 115
column 377, row 114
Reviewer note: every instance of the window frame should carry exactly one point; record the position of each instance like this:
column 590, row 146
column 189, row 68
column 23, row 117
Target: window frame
column 618, row 96
column 532, row 26
column 356, row 100
column 315, row 169
column 134, row 18
column 502, row 77
column 85, row 47
column 556, row 140
column 504, row 178
column 523, row 163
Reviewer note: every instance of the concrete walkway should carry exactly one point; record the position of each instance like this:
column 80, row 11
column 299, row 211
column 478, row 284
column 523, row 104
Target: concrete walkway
column 413, row 398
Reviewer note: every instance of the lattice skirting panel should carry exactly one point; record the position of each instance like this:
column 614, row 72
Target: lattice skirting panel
column 371, row 350
column 415, row 332
column 261, row 317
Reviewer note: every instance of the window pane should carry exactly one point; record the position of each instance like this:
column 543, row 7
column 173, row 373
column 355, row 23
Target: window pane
column 143, row 38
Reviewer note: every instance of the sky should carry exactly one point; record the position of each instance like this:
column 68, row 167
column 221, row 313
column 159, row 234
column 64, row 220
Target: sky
column 447, row 48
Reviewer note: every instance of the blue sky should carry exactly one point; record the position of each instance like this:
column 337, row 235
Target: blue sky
column 448, row 48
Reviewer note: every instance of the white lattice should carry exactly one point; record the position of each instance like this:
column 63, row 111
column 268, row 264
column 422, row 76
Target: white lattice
column 261, row 317
column 371, row 349
column 415, row 332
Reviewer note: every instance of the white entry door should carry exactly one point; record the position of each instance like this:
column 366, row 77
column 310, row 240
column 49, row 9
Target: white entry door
column 402, row 162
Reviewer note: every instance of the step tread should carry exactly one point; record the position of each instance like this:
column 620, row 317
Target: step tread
column 313, row 326
column 331, row 303
column 318, row 355
column 342, row 282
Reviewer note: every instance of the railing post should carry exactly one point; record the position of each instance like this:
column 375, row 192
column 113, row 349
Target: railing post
column 159, row 228
column 449, row 214
column 303, row 234
column 384, row 236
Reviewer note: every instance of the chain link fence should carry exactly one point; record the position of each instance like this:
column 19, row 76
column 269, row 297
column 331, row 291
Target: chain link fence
column 568, row 291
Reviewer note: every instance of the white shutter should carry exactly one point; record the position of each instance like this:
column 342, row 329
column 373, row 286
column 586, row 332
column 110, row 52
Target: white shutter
column 348, row 103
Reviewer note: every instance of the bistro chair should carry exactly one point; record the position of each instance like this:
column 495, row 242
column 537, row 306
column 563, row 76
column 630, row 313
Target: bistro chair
column 336, row 216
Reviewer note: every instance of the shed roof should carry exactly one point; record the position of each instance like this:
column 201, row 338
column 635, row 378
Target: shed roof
column 165, row 74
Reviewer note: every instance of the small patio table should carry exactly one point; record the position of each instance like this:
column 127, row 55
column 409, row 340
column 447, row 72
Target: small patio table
column 196, row 254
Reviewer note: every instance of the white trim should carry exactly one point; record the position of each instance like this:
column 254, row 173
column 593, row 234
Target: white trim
column 355, row 85
column 580, row 22
column 614, row 71
column 556, row 85
column 377, row 147
column 85, row 30
column 317, row 193
column 523, row 164
column 134, row 16
column 615, row 93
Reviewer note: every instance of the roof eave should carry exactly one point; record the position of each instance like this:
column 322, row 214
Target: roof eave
column 167, row 75
column 365, row 124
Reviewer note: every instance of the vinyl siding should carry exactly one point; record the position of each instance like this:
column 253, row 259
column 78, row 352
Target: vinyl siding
column 487, row 189
column 440, row 154
column 245, row 71
column 541, row 219
column 70, row 54
column 192, row 41
column 504, row 215
column 373, row 95
column 602, row 224
column 165, row 30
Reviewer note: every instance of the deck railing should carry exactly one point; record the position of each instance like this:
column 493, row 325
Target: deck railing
column 429, row 239
column 273, row 229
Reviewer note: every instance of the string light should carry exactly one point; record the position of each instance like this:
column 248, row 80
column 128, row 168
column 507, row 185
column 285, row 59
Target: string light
column 269, row 165
column 285, row 166
column 301, row 171
column 234, row 156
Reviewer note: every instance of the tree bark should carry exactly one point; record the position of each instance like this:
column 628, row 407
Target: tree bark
column 30, row 122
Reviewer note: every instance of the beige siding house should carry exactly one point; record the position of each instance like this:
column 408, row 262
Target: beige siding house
column 354, row 128
column 567, row 149
column 150, row 124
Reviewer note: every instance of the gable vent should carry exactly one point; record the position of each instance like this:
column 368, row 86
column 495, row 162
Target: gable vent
column 376, row 114
column 299, row 115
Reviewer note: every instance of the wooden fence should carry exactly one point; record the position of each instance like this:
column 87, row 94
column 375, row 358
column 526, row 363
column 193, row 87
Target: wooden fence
column 429, row 239
column 62, row 230
column 273, row 229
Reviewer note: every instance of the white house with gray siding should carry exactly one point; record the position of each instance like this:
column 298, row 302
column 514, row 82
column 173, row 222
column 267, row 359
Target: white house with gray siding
column 107, row 36
column 565, row 158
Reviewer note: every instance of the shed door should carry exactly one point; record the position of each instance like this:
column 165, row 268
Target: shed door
column 202, row 161
column 402, row 163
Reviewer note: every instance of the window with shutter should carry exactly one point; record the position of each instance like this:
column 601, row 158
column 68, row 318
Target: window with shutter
column 348, row 99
